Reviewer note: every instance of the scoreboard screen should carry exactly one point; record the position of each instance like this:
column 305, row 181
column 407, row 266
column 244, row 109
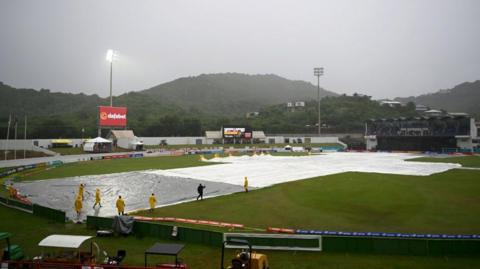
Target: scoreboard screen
column 237, row 132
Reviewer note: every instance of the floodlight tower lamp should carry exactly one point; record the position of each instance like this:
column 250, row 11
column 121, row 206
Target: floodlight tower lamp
column 111, row 56
column 318, row 71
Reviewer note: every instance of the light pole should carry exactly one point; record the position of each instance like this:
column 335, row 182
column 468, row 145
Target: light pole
column 318, row 71
column 111, row 54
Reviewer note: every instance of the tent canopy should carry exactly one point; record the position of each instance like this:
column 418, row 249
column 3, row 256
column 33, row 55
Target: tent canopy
column 63, row 241
column 98, row 140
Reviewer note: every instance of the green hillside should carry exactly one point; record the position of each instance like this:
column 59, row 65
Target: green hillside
column 186, row 106
column 339, row 114
column 189, row 106
column 464, row 97
column 233, row 93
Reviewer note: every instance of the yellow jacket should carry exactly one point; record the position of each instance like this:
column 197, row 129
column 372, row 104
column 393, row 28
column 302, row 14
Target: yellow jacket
column 245, row 183
column 11, row 191
column 152, row 201
column 97, row 196
column 78, row 204
column 120, row 204
column 80, row 190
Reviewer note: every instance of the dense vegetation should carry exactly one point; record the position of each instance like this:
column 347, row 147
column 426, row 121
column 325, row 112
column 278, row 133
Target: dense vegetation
column 464, row 97
column 338, row 114
column 231, row 93
column 190, row 106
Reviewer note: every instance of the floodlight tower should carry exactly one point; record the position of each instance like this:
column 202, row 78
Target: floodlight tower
column 111, row 55
column 318, row 71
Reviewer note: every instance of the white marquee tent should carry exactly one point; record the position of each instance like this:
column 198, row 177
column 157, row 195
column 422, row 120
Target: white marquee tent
column 97, row 144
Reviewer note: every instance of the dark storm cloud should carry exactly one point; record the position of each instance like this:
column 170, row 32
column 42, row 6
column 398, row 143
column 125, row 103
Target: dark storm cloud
column 381, row 48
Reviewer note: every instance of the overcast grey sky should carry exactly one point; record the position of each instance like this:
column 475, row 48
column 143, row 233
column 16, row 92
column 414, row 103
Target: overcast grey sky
column 383, row 48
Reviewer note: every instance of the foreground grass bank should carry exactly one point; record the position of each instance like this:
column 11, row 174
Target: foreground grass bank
column 29, row 230
column 440, row 203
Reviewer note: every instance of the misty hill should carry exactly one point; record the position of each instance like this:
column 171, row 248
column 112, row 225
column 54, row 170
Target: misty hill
column 464, row 97
column 232, row 93
column 54, row 114
column 180, row 104
column 43, row 102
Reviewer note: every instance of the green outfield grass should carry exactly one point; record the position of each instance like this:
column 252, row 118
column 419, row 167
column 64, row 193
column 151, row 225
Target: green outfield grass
column 99, row 167
column 440, row 203
column 28, row 154
column 79, row 150
column 29, row 230
column 466, row 161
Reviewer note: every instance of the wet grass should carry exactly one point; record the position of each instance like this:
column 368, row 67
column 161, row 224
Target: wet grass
column 29, row 230
column 79, row 150
column 99, row 167
column 466, row 161
column 19, row 154
column 440, row 203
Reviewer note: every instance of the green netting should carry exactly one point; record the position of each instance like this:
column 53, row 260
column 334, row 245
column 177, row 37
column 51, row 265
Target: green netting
column 49, row 213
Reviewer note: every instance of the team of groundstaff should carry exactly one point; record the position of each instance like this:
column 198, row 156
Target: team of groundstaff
column 120, row 202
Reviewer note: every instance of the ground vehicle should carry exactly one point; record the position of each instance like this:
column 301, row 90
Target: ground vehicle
column 114, row 260
column 70, row 249
column 10, row 252
column 245, row 259
column 59, row 248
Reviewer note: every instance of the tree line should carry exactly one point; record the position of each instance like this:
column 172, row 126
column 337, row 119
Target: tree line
column 338, row 114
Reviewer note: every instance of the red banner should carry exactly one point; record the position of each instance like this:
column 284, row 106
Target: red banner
column 112, row 116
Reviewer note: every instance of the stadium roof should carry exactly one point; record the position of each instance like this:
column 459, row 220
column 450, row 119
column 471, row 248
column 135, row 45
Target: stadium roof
column 213, row 134
column 258, row 134
column 122, row 134
column 450, row 115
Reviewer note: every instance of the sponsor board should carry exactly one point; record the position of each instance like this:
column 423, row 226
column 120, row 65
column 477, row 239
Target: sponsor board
column 112, row 116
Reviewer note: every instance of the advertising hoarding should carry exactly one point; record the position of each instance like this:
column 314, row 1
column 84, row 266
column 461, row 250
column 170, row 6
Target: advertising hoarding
column 112, row 116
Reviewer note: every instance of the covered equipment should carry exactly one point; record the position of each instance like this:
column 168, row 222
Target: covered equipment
column 123, row 224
